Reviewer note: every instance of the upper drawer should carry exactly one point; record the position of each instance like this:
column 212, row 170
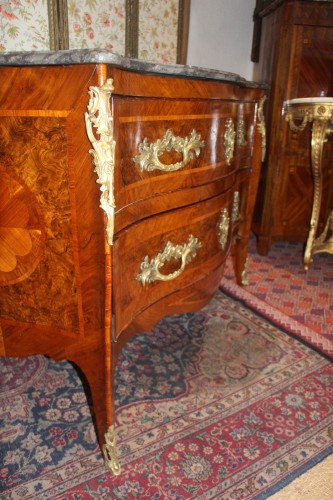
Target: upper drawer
column 167, row 145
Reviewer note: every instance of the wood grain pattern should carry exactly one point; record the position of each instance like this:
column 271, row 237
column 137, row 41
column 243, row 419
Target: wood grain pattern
column 22, row 231
column 65, row 292
column 41, row 219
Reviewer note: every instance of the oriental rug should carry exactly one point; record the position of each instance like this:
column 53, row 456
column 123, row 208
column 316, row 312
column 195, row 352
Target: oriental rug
column 301, row 301
column 220, row 403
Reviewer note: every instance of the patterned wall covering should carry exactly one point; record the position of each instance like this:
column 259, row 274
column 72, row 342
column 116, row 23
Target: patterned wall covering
column 158, row 24
column 97, row 24
column 24, row 25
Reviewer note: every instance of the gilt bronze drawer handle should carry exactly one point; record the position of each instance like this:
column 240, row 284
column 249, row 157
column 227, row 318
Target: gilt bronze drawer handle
column 148, row 159
column 150, row 268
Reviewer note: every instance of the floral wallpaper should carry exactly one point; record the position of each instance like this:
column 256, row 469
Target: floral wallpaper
column 24, row 25
column 97, row 24
column 158, row 24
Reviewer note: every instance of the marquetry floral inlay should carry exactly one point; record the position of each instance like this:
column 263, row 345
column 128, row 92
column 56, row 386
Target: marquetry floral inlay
column 20, row 239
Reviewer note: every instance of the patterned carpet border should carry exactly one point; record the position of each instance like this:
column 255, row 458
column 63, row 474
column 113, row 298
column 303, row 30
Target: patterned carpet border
column 300, row 299
column 294, row 475
column 293, row 327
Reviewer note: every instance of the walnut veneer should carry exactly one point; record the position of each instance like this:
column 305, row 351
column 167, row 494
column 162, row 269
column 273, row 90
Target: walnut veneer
column 66, row 290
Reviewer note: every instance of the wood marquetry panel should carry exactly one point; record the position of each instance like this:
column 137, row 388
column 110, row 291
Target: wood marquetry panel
column 315, row 61
column 36, row 249
column 22, row 231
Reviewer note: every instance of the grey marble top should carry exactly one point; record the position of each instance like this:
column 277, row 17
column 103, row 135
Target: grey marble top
column 102, row 56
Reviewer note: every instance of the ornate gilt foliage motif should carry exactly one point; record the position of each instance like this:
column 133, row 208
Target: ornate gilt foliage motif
column 223, row 228
column 241, row 133
column 262, row 126
column 150, row 268
column 149, row 154
column 111, row 460
column 229, row 140
column 99, row 117
column 235, row 207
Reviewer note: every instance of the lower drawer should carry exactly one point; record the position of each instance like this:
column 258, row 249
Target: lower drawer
column 168, row 252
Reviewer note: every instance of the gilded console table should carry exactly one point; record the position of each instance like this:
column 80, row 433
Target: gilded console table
column 124, row 185
column 318, row 112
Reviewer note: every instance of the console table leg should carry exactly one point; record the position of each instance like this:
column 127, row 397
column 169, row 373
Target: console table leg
column 319, row 129
column 324, row 242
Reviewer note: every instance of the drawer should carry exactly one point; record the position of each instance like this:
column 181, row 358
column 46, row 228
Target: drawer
column 144, row 208
column 167, row 145
column 168, row 252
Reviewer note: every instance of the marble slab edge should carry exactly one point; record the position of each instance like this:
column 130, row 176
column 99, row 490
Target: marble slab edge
column 102, row 56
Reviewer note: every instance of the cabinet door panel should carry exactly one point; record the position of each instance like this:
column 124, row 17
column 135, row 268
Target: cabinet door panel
column 313, row 63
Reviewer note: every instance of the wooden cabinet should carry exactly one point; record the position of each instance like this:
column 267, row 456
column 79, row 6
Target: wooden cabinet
column 296, row 60
column 92, row 254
